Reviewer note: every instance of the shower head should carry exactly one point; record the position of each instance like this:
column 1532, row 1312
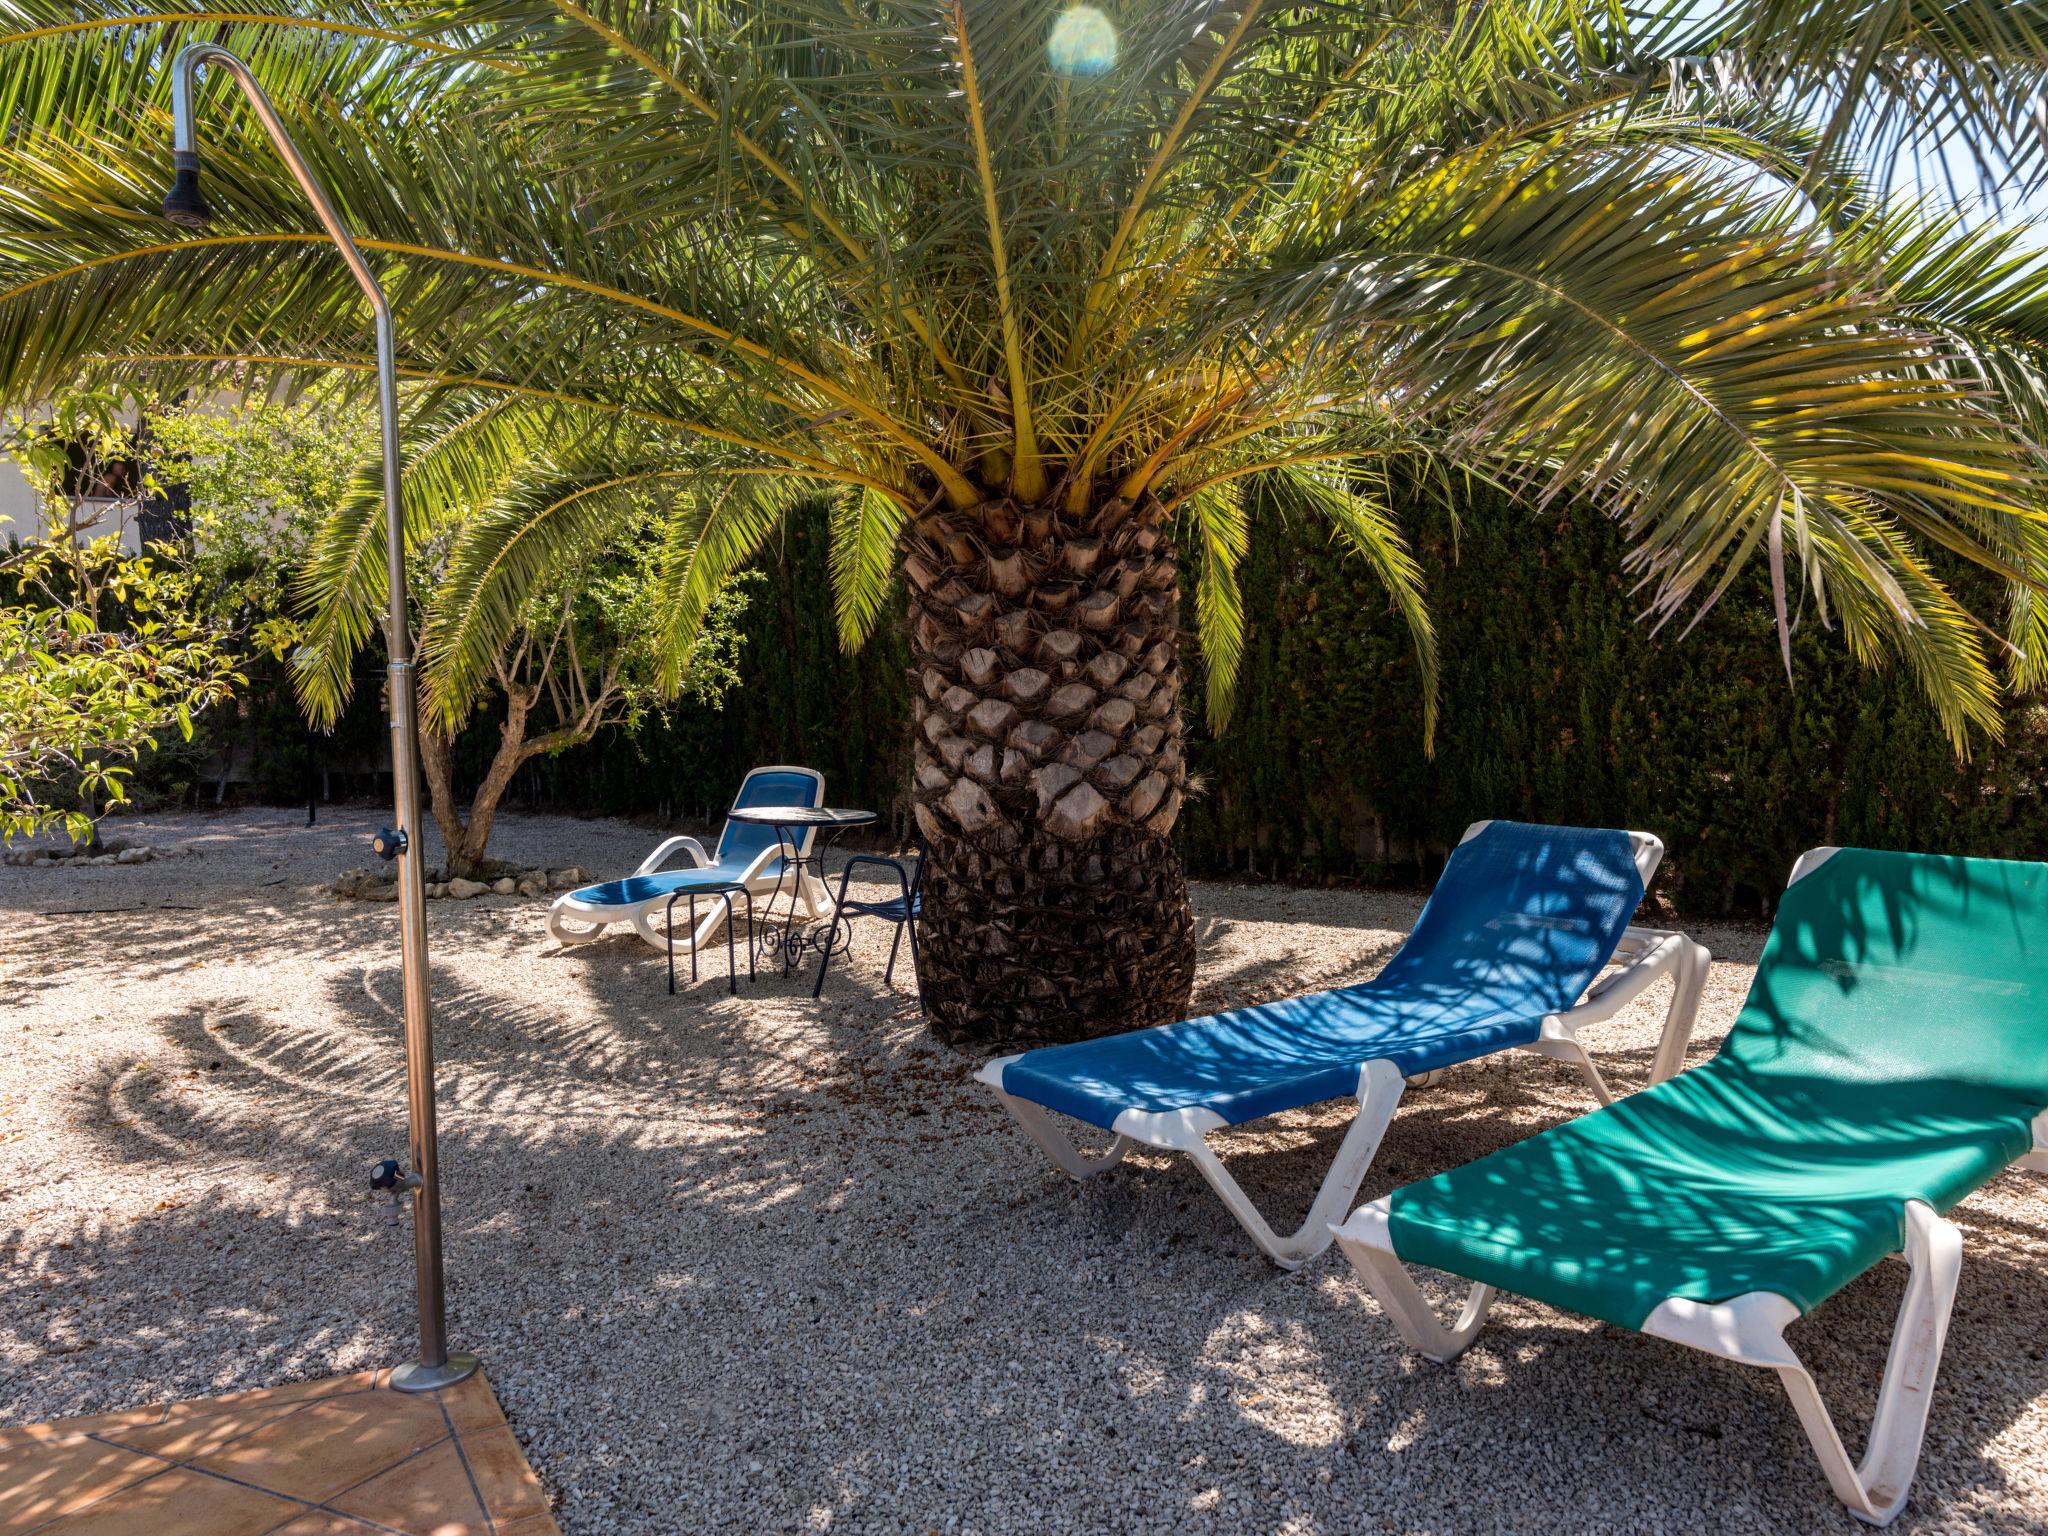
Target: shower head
column 183, row 204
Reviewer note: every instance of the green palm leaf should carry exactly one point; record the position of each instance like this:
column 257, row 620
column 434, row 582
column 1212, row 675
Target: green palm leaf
column 898, row 246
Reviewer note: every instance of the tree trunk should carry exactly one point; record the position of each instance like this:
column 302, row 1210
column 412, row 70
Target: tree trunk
column 465, row 836
column 1049, row 773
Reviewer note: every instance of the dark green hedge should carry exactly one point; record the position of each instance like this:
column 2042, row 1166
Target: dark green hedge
column 1558, row 704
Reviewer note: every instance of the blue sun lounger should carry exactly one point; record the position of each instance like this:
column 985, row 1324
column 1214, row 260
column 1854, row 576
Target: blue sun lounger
column 748, row 854
column 1520, row 925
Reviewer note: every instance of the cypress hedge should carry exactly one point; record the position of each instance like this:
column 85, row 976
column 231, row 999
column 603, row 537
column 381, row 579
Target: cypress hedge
column 1559, row 704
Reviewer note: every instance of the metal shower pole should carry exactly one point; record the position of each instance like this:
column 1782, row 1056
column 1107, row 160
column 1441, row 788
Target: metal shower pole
column 184, row 205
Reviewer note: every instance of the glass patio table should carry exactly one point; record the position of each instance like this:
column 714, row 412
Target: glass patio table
column 790, row 822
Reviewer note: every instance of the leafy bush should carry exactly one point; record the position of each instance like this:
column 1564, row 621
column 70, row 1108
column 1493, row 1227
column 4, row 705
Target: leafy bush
column 104, row 656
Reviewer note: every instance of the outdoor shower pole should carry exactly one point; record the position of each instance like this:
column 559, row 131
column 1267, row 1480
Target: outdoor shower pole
column 435, row 1366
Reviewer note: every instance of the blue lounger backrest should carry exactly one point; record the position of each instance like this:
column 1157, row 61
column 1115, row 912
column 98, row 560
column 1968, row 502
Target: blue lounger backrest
column 1519, row 924
column 741, row 841
column 1525, row 913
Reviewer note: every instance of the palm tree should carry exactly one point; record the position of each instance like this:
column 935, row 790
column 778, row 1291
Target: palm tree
column 1034, row 290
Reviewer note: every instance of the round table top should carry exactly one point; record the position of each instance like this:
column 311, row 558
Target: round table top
column 801, row 816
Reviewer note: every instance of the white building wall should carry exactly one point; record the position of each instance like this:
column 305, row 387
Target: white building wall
column 21, row 519
column 18, row 518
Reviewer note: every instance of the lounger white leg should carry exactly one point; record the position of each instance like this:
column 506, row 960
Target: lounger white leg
column 2036, row 1161
column 560, row 931
column 1751, row 1329
column 1572, row 1051
column 1057, row 1145
column 1367, row 1244
column 1379, row 1092
column 1688, row 985
column 1655, row 954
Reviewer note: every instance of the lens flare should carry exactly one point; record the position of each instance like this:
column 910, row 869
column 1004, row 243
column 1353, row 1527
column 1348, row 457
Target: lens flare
column 1083, row 44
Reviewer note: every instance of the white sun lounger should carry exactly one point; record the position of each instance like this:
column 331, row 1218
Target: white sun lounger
column 748, row 855
column 1892, row 1056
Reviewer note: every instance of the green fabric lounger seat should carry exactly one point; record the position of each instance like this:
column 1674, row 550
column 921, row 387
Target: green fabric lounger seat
column 1506, row 955
column 1892, row 1057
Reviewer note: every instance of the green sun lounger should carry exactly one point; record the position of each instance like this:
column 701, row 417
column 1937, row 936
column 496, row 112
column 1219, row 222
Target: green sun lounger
column 1891, row 1058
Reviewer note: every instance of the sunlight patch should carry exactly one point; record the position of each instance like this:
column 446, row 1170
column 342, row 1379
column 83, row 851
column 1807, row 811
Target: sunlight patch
column 1083, row 44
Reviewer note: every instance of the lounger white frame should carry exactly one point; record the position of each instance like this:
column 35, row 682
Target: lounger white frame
column 1648, row 954
column 1748, row 1329
column 647, row 916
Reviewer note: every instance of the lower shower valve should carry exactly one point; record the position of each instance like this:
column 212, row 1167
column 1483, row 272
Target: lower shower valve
column 389, row 1178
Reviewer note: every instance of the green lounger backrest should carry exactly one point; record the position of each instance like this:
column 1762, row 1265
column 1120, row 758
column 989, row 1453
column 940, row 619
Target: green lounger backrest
column 1901, row 967
column 1894, row 1047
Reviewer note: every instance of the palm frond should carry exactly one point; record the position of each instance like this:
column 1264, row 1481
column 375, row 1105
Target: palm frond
column 1895, row 81
column 864, row 527
column 1222, row 533
column 501, row 557
column 708, row 543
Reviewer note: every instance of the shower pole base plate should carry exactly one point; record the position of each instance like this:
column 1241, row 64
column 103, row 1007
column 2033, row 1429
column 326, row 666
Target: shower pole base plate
column 432, row 1378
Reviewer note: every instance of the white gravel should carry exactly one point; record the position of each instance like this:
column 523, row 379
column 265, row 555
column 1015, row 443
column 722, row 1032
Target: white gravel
column 764, row 1264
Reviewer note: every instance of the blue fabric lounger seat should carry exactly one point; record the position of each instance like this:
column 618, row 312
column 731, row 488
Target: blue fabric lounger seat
column 748, row 854
column 1520, row 925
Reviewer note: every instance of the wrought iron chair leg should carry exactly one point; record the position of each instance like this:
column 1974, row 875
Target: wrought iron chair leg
column 831, row 933
column 750, row 933
column 896, row 943
column 669, row 921
column 732, row 965
column 916, row 971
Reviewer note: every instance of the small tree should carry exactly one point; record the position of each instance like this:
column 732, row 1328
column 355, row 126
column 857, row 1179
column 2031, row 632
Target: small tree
column 258, row 478
column 101, row 651
column 266, row 476
column 579, row 658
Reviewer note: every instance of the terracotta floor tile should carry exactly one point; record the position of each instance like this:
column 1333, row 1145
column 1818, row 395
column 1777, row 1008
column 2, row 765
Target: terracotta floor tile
column 329, row 1446
column 429, row 1495
column 381, row 1460
column 200, row 1407
column 187, row 1437
column 321, row 1523
column 40, row 1482
column 264, row 1397
column 179, row 1503
column 508, row 1485
column 472, row 1405
column 72, row 1429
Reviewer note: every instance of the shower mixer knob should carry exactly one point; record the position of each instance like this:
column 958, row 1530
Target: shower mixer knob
column 388, row 844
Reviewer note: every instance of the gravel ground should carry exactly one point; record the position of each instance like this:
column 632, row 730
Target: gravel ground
column 769, row 1264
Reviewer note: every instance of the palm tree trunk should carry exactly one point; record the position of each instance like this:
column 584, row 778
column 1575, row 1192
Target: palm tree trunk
column 1049, row 773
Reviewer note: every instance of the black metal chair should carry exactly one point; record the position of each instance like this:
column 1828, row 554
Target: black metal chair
column 900, row 909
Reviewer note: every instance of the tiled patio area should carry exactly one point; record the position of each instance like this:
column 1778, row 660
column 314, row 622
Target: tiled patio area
column 341, row 1457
